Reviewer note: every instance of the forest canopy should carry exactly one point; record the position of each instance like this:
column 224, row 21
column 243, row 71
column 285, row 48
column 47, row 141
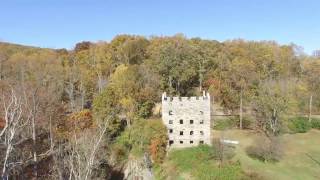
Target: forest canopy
column 96, row 105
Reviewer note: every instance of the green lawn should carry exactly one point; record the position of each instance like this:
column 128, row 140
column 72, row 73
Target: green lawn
column 197, row 163
column 296, row 164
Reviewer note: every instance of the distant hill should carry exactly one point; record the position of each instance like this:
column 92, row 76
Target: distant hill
column 9, row 50
column 5, row 46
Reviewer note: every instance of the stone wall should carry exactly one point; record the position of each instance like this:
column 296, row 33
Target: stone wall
column 187, row 120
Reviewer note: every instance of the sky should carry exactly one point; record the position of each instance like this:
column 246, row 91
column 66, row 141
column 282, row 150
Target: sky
column 63, row 23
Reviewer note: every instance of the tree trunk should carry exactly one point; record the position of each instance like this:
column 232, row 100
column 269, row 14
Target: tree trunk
column 70, row 92
column 200, row 76
column 83, row 94
column 274, row 121
column 2, row 60
column 13, row 117
column 51, row 134
column 4, row 169
column 34, row 149
column 34, row 144
column 1, row 69
column 170, row 85
column 310, row 108
column 100, row 82
column 240, row 110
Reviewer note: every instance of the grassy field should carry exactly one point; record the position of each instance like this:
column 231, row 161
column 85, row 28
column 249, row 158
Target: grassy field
column 301, row 153
column 197, row 163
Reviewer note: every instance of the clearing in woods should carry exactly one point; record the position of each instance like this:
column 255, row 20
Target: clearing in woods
column 300, row 161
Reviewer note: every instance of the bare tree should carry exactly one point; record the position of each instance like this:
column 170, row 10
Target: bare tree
column 74, row 86
column 82, row 152
column 70, row 89
column 313, row 82
column 34, row 108
column 14, row 122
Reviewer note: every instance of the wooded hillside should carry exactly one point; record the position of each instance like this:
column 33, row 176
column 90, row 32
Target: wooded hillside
column 86, row 113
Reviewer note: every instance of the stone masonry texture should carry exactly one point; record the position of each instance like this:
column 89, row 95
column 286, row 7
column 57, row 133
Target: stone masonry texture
column 187, row 120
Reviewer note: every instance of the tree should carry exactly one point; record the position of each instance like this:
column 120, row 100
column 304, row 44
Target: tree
column 312, row 72
column 74, row 89
column 266, row 149
column 206, row 56
column 145, row 136
column 84, row 45
column 107, row 105
column 129, row 49
column 242, row 77
column 101, row 63
column 15, row 122
column 270, row 104
column 83, row 149
column 173, row 59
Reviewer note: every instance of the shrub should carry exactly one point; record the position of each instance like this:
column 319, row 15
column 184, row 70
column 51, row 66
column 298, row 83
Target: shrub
column 246, row 122
column 227, row 123
column 223, row 151
column 77, row 122
column 119, row 153
column 145, row 109
column 233, row 122
column 252, row 175
column 299, row 125
column 315, row 123
column 266, row 149
column 145, row 136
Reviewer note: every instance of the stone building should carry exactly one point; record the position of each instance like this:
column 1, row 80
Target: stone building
column 187, row 120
